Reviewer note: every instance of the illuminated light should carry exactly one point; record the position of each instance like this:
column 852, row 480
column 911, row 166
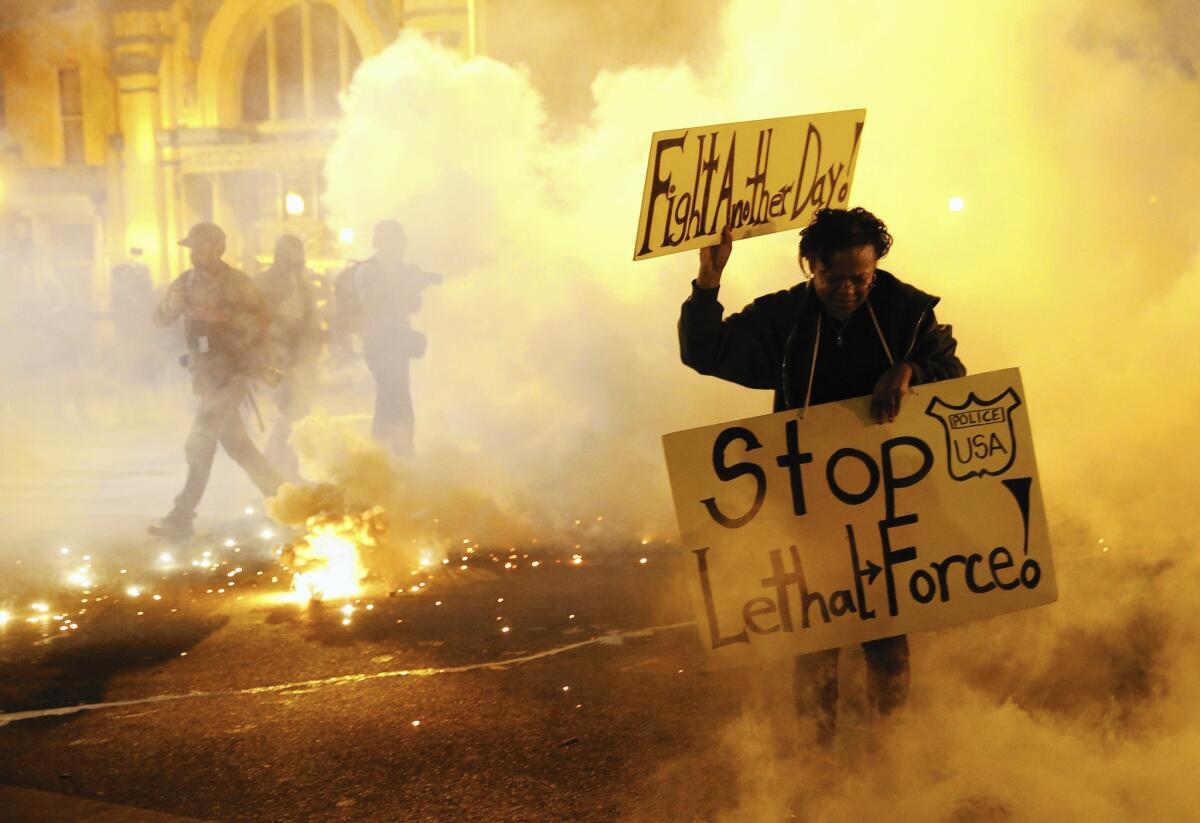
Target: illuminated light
column 505, row 629
column 499, row 599
column 249, row 510
column 425, row 561
column 437, row 602
column 566, row 688
column 5, row 616
column 414, row 589
column 139, row 614
column 645, row 541
column 206, row 554
column 508, row 565
column 266, row 534
column 166, row 557
column 40, row 607
column 87, row 557
column 570, row 617
column 230, row 542
column 80, row 578
column 536, row 563
column 346, row 236
column 446, row 561
column 133, row 591
column 293, row 204
column 370, row 606
column 183, row 654
column 416, row 723
column 327, row 560
column 74, row 625
column 345, row 621
column 124, row 571
column 348, row 610
column 471, row 550
column 64, row 550
column 157, row 597
column 643, row 561
column 463, row 567
column 956, row 203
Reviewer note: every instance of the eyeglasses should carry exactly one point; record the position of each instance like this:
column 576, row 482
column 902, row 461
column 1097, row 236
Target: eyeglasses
column 859, row 282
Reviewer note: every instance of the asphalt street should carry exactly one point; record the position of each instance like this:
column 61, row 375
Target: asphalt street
column 555, row 691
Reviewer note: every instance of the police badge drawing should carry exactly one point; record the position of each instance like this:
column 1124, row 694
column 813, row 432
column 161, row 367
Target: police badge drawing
column 979, row 435
column 801, row 535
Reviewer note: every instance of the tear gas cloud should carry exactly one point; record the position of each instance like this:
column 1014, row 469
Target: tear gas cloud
column 1070, row 132
column 553, row 365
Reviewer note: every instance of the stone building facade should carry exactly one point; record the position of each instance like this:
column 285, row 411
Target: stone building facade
column 122, row 122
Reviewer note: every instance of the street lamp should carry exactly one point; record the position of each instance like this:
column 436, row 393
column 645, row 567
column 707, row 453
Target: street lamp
column 293, row 204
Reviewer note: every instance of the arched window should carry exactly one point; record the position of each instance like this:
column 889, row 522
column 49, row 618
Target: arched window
column 304, row 56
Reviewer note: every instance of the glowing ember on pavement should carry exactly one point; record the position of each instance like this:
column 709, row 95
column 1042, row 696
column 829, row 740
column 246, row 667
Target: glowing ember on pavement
column 327, row 561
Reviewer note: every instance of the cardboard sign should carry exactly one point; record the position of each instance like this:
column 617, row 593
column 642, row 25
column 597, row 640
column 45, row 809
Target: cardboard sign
column 802, row 535
column 757, row 177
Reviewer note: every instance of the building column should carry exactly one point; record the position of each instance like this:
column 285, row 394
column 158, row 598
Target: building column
column 137, row 53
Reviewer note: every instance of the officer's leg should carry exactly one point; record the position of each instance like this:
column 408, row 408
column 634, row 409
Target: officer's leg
column 815, row 689
column 887, row 672
column 402, row 437
column 292, row 402
column 199, row 449
column 238, row 445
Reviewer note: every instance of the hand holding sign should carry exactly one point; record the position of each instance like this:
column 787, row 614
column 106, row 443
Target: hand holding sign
column 713, row 259
column 890, row 389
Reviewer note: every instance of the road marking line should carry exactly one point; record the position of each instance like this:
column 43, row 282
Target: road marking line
column 338, row 680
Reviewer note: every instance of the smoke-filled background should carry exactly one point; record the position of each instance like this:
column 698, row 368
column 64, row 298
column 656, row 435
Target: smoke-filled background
column 1072, row 132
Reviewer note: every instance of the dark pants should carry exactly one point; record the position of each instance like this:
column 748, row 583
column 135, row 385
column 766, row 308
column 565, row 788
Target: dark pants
column 816, row 684
column 393, row 424
column 293, row 398
column 218, row 421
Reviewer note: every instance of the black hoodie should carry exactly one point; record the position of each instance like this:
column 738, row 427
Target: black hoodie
column 769, row 344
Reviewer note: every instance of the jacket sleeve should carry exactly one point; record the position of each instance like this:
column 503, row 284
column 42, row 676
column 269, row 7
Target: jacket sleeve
column 171, row 306
column 743, row 348
column 933, row 353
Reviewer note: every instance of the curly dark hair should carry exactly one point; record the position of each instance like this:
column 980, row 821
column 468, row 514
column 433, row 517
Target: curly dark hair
column 835, row 230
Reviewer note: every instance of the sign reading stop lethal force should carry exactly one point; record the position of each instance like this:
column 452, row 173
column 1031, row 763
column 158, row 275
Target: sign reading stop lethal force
column 802, row 535
column 757, row 177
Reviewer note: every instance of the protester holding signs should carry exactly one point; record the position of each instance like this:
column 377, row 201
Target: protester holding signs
column 849, row 330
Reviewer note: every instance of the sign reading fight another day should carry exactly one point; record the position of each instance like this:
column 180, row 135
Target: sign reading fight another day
column 801, row 535
column 757, row 177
